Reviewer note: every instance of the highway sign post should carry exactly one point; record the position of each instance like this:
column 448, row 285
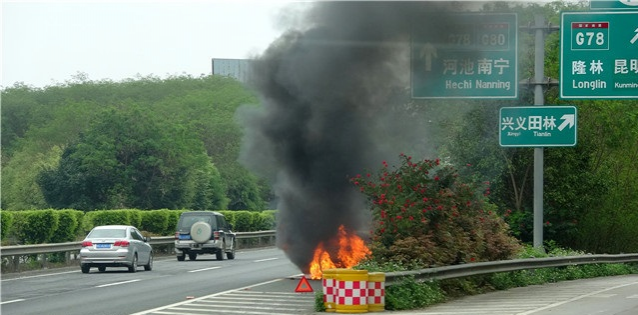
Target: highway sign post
column 599, row 55
column 472, row 59
column 538, row 126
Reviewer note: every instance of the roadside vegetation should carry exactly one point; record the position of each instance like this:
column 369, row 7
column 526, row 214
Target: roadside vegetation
column 411, row 294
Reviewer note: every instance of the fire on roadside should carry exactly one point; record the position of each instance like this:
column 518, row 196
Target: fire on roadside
column 346, row 250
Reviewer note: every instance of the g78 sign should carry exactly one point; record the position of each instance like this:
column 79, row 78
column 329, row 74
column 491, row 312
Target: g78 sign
column 599, row 55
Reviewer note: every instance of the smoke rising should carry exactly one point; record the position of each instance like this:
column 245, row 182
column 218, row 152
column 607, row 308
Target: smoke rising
column 333, row 92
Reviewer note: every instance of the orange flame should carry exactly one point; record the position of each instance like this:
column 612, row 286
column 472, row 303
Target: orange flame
column 351, row 250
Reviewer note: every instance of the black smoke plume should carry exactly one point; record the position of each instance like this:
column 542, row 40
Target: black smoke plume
column 333, row 93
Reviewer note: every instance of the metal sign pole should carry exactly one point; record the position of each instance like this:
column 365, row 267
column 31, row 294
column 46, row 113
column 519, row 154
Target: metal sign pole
column 539, row 75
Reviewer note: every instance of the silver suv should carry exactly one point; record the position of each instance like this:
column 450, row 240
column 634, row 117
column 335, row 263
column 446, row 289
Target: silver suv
column 204, row 232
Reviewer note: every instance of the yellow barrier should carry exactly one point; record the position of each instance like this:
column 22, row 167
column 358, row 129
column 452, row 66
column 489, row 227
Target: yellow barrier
column 352, row 291
column 376, row 291
column 329, row 287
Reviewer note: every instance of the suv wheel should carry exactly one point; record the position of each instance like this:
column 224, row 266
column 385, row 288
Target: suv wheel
column 231, row 254
column 220, row 254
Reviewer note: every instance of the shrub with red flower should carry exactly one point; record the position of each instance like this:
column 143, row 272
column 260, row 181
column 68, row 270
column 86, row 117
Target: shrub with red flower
column 425, row 215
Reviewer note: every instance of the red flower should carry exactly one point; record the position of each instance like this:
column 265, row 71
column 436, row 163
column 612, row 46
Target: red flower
column 436, row 178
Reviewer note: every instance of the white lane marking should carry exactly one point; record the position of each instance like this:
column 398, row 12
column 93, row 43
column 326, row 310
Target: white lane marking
column 38, row 276
column 633, row 297
column 575, row 299
column 202, row 298
column 267, row 259
column 12, row 301
column 117, row 283
column 204, row 269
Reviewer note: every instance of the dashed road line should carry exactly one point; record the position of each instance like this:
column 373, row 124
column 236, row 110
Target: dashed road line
column 204, row 269
column 116, row 283
column 12, row 301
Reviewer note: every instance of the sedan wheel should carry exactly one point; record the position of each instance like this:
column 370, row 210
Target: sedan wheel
column 149, row 266
column 133, row 267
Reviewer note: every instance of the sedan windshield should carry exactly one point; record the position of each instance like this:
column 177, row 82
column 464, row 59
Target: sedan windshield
column 107, row 233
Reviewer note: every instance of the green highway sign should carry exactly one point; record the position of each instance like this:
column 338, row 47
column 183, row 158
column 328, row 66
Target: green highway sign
column 473, row 56
column 599, row 55
column 538, row 126
column 613, row 4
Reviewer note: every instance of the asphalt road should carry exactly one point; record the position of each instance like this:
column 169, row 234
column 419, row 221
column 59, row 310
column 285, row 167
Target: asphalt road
column 116, row 291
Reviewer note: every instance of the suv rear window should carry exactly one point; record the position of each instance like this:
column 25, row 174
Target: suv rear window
column 187, row 221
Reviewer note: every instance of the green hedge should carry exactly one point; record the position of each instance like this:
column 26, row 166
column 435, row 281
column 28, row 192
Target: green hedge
column 59, row 226
column 6, row 219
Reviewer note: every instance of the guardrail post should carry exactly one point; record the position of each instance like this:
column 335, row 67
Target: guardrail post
column 16, row 263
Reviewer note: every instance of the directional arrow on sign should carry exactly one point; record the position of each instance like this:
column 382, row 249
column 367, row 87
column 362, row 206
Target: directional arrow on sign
column 568, row 120
column 633, row 40
column 428, row 52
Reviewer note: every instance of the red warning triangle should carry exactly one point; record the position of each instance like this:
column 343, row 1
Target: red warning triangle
column 304, row 285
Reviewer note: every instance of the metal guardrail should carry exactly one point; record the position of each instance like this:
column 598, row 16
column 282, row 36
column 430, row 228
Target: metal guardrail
column 73, row 246
column 437, row 273
column 480, row 268
column 13, row 257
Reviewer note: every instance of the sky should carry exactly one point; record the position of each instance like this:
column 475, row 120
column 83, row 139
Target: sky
column 48, row 42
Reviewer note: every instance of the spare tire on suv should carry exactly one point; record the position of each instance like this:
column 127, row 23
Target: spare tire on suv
column 204, row 232
column 201, row 232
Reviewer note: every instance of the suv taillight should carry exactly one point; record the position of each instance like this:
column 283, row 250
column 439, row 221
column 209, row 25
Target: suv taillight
column 176, row 235
column 122, row 243
column 87, row 244
column 216, row 235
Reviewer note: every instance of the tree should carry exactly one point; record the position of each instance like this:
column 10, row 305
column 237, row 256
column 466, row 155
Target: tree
column 191, row 110
column 130, row 158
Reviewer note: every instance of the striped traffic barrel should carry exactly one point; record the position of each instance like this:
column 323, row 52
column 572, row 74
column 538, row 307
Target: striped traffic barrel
column 352, row 291
column 376, row 291
column 328, row 283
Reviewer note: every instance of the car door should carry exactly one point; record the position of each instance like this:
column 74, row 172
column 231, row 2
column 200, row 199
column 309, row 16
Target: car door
column 142, row 247
column 228, row 236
